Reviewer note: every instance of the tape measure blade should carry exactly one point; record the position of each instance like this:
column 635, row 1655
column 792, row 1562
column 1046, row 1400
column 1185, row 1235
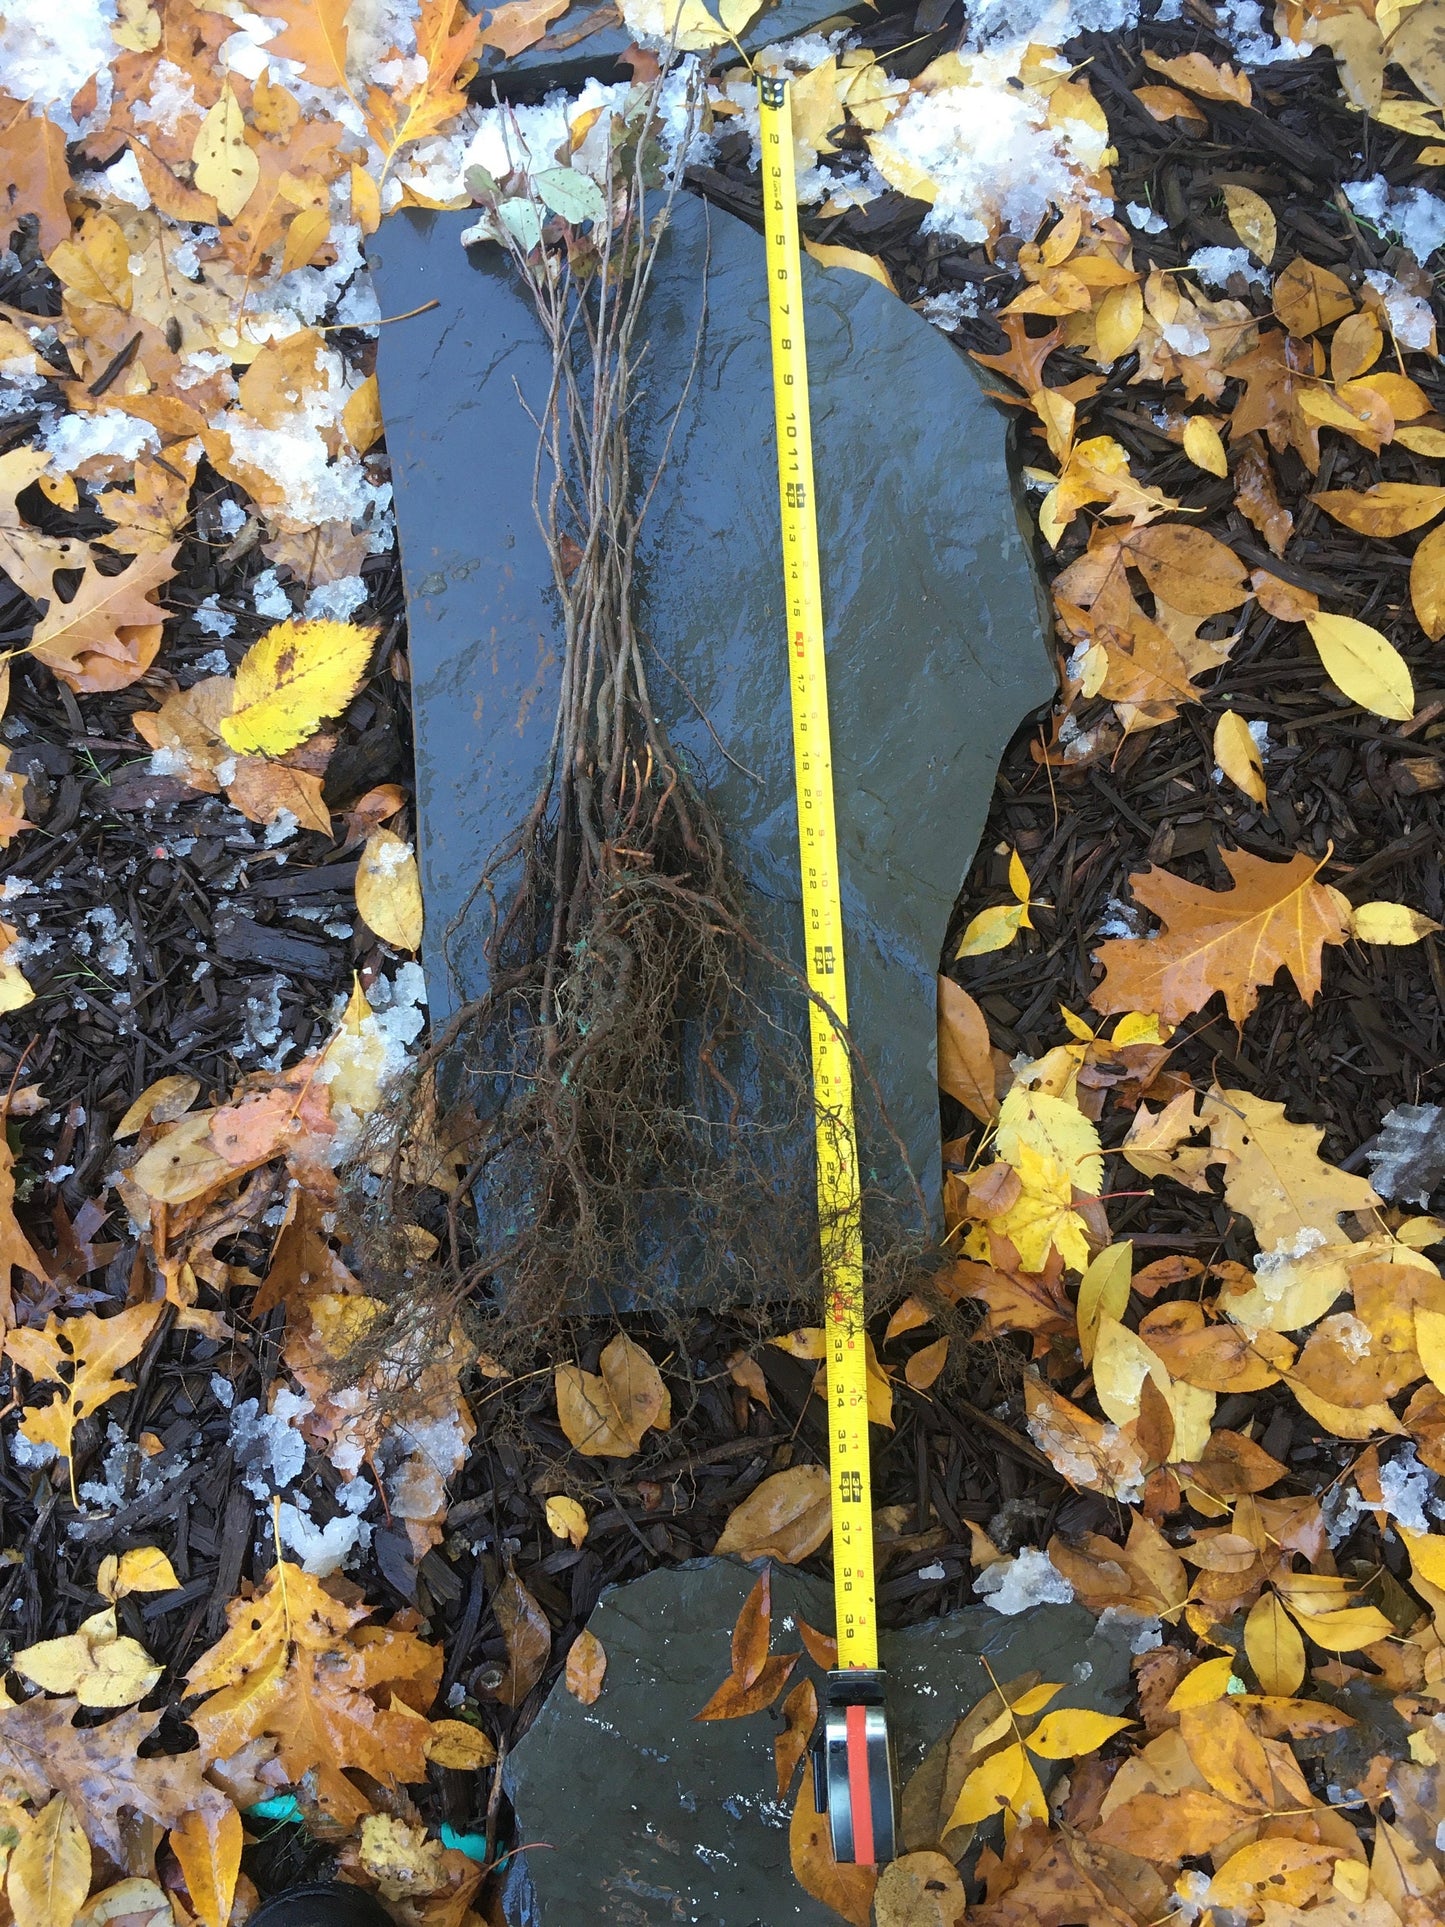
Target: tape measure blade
column 840, row 1228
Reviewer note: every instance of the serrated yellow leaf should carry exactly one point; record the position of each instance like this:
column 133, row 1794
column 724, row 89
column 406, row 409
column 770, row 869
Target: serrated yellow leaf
column 1204, row 1684
column 988, row 1789
column 1359, row 661
column 1389, row 923
column 1103, row 1293
column 1274, row 1648
column 226, row 167
column 1237, row 754
column 1203, row 446
column 1073, row 1731
column 388, row 890
column 288, row 682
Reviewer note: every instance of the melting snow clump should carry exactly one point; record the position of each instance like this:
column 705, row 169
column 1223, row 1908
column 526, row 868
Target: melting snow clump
column 1408, row 1490
column 270, row 1451
column 268, row 598
column 1407, row 1159
column 1146, row 219
column 48, row 51
column 1030, row 1579
column 1416, row 215
column 1214, row 266
column 338, row 600
column 212, row 620
column 76, row 438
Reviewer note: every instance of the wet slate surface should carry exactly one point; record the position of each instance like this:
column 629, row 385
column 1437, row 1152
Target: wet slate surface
column 936, row 646
column 651, row 1817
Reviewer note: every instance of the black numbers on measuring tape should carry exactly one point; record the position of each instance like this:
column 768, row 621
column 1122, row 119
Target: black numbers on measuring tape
column 797, row 495
column 825, row 962
column 850, row 1488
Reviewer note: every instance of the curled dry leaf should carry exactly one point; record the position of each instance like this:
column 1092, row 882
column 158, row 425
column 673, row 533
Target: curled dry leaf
column 787, row 1517
column 606, row 1415
column 735, row 1700
column 529, row 1639
column 848, row 1890
column 388, row 890
column 790, row 1745
column 752, row 1634
column 586, row 1667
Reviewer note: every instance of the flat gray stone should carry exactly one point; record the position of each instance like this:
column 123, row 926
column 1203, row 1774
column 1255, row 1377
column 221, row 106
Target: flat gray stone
column 590, row 39
column 650, row 1817
column 934, row 612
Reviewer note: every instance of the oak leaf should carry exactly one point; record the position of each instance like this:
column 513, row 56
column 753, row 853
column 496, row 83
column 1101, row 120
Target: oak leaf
column 314, row 35
column 1274, row 917
column 100, row 1771
column 82, row 1355
column 292, row 1667
column 108, row 633
column 1276, row 1178
column 446, row 39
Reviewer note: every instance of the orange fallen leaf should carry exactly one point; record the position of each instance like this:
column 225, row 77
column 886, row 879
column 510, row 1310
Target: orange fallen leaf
column 787, row 1517
column 586, row 1666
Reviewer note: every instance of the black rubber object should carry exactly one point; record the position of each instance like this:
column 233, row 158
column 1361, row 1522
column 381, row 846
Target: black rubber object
column 330, row 1903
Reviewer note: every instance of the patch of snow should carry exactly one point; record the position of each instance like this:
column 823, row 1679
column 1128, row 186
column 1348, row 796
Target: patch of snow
column 123, row 181
column 1120, row 919
column 223, row 1391
column 270, row 1451
column 1215, row 266
column 50, row 48
column 1144, row 1631
column 1408, row 1490
column 268, row 598
column 1411, row 318
column 212, row 620
column 263, row 1026
column 1029, row 1579
column 170, row 99
column 323, row 1550
column 1413, row 213
column 1351, row 1334
column 76, row 438
column 1146, row 219
column 112, row 949
column 231, row 516
column 336, row 601
column 1242, row 24
column 946, row 310
column 282, row 827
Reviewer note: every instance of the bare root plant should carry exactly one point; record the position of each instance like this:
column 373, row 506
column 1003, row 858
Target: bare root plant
column 625, row 1110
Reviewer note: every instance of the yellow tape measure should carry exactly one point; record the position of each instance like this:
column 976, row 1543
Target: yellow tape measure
column 854, row 1754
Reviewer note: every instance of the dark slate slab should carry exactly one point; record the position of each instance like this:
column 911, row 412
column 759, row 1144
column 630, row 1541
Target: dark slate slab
column 590, row 39
column 650, row 1817
column 934, row 612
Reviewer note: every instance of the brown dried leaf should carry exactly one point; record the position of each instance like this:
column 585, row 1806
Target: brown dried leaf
column 753, row 1632
column 34, row 173
column 790, row 1745
column 735, row 1701
column 586, row 1665
column 519, row 24
column 787, row 1517
column 528, row 1635
column 1202, row 77
column 965, row 1058
column 919, row 1890
column 606, row 1416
